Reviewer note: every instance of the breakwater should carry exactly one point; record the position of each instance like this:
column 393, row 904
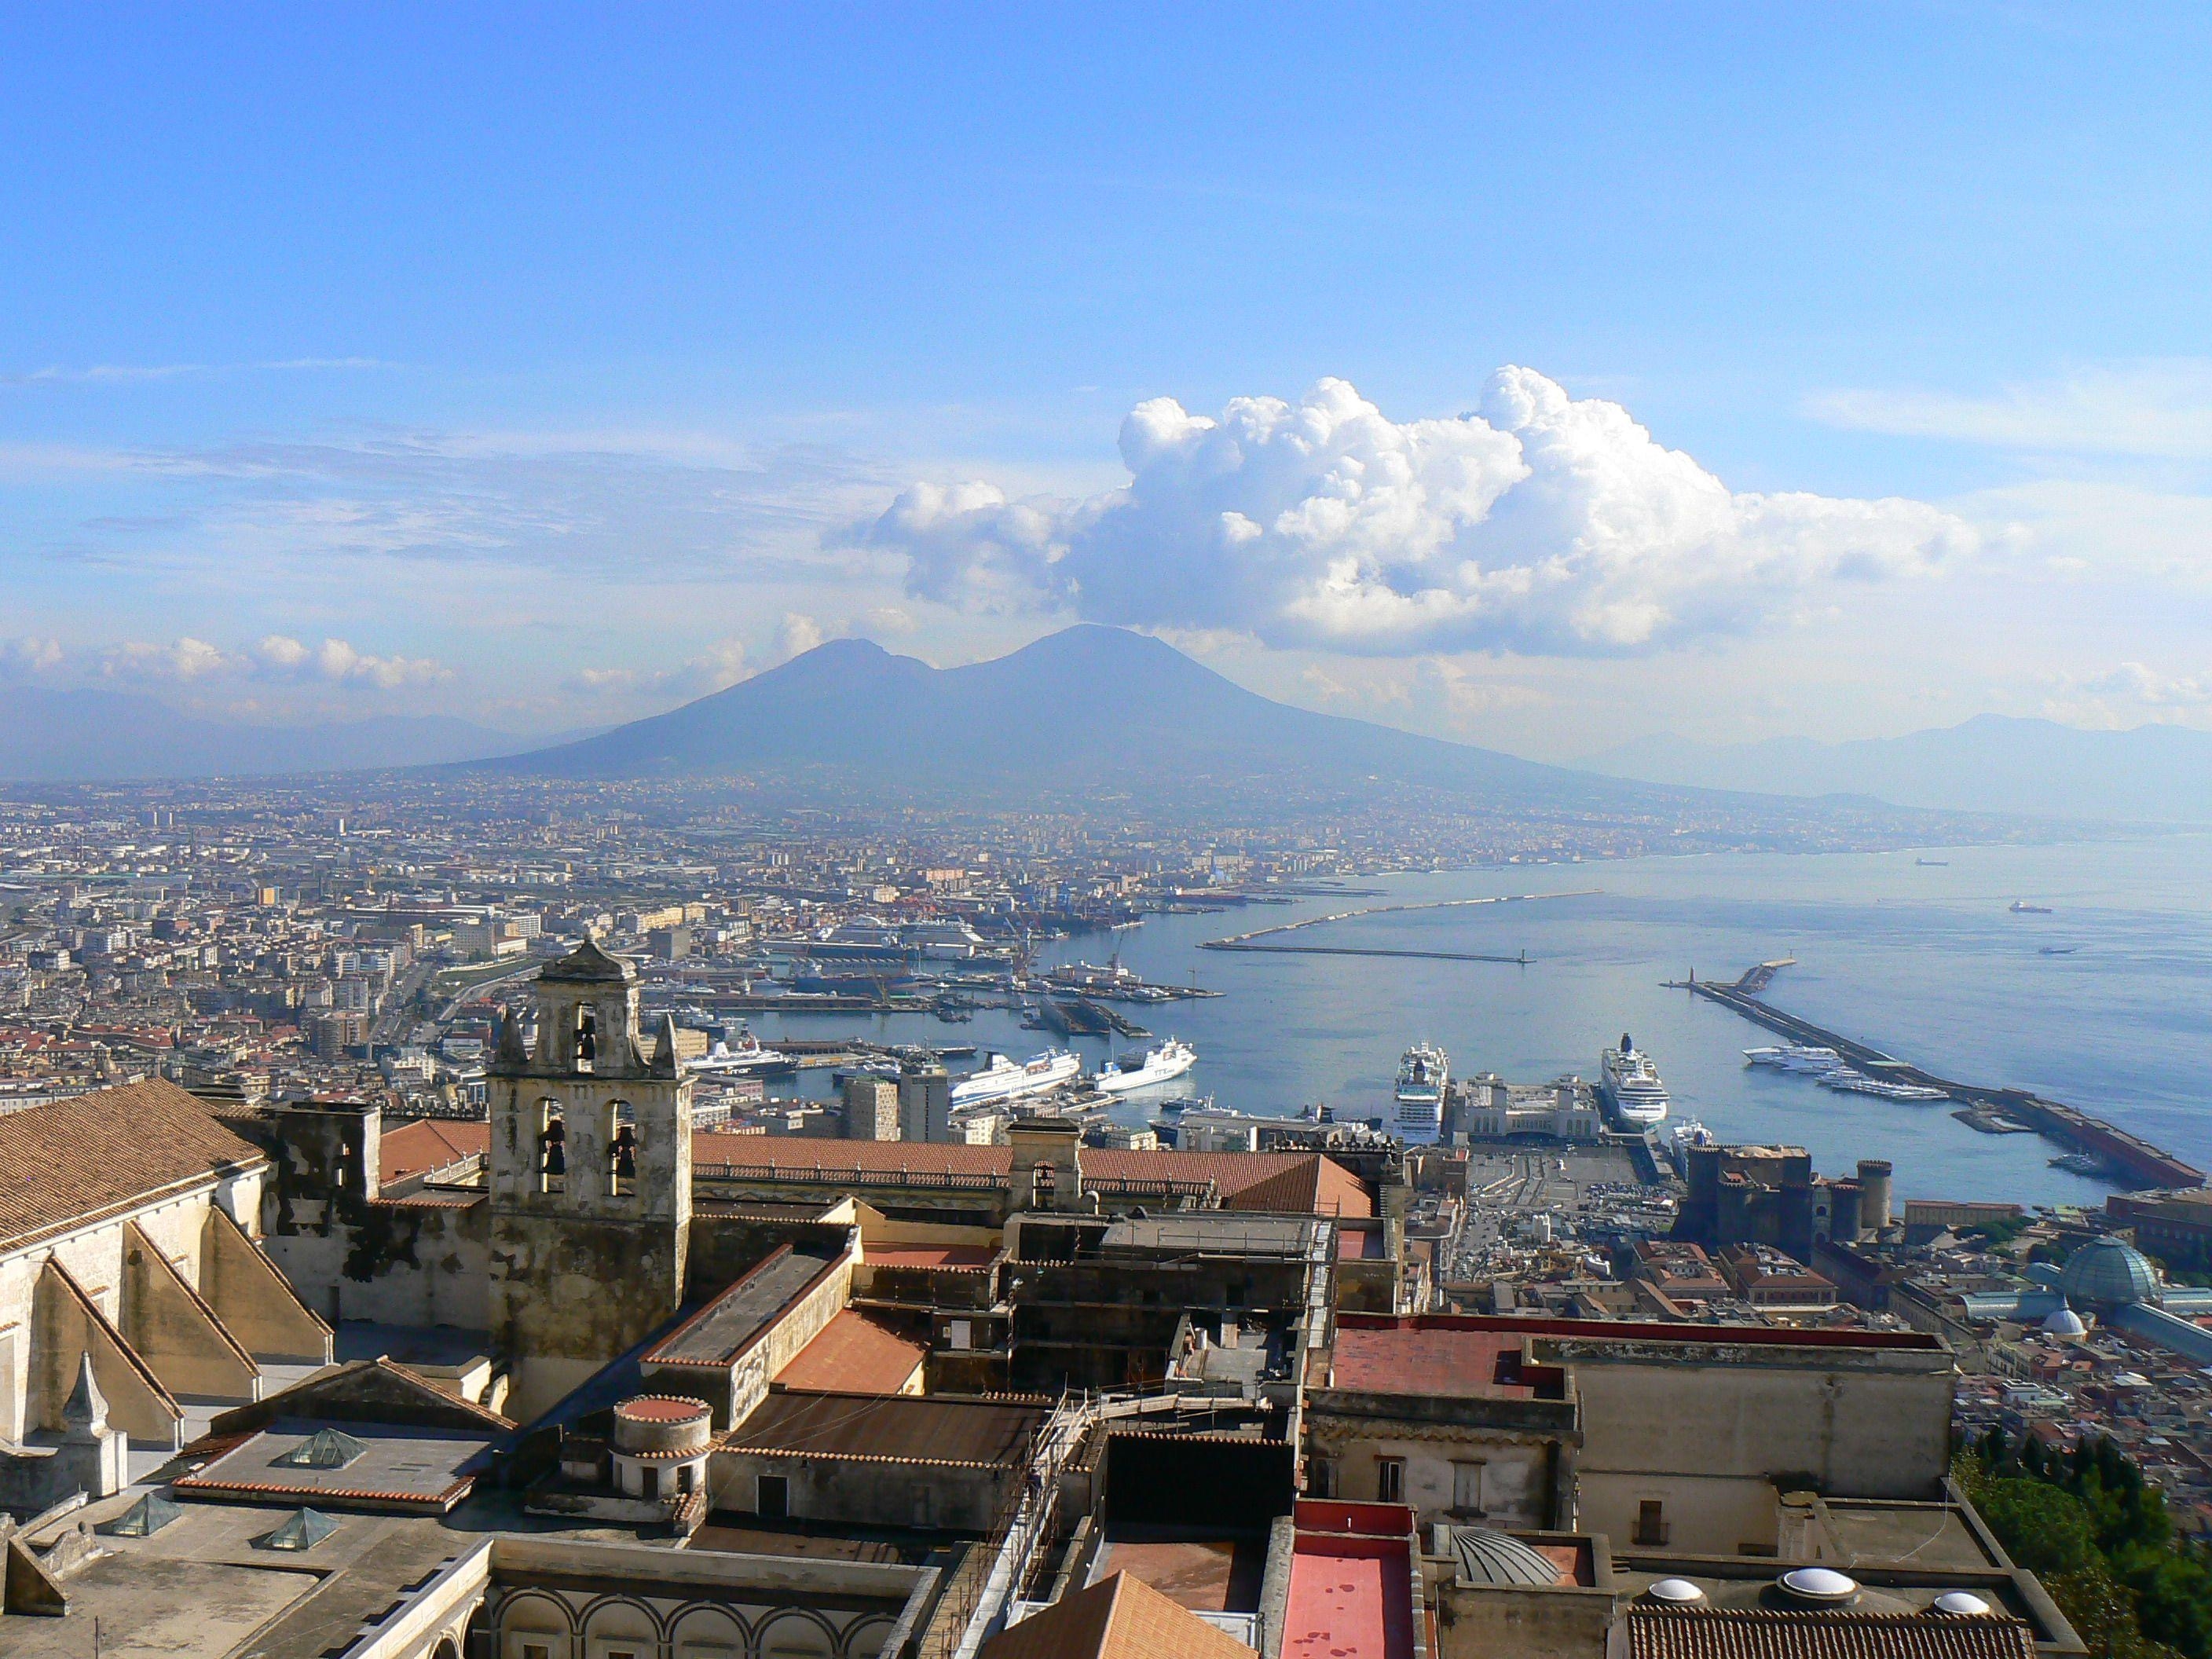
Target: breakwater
column 2127, row 1156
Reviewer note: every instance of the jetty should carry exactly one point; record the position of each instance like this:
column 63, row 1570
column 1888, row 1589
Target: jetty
column 2127, row 1156
column 1251, row 941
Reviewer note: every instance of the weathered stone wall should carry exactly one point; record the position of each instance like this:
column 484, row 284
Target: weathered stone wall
column 411, row 1263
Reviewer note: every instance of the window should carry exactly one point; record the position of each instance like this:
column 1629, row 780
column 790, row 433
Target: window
column 588, row 1039
column 958, row 1333
column 649, row 1480
column 622, row 1160
column 1650, row 1524
column 1389, row 1480
column 771, row 1499
column 1467, row 1488
column 552, row 1148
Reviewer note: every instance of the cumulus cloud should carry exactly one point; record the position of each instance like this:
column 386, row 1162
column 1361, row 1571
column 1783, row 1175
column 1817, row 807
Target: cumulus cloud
column 30, row 654
column 796, row 635
column 1541, row 524
column 184, row 660
column 274, row 657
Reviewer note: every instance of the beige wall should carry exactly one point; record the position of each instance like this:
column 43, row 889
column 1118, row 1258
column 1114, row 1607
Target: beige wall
column 1708, row 1441
column 1516, row 1478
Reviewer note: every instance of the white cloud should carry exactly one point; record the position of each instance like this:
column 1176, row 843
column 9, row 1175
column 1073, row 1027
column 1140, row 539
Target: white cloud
column 2159, row 410
column 720, row 666
column 796, row 635
column 185, row 660
column 2126, row 695
column 31, row 655
column 1542, row 525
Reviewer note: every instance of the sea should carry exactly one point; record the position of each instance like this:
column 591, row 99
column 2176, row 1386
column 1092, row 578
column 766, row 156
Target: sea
column 2104, row 1002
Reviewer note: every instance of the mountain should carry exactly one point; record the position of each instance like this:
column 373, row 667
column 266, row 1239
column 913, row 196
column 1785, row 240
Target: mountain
column 1991, row 763
column 51, row 737
column 1096, row 712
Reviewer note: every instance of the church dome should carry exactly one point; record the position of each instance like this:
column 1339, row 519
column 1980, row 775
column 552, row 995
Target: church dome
column 2105, row 1273
column 1490, row 1557
column 2063, row 1321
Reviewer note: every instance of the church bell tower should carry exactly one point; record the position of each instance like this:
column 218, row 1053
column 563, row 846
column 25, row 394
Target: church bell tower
column 590, row 1173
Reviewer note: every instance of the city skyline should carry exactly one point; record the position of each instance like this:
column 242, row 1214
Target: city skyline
column 1723, row 375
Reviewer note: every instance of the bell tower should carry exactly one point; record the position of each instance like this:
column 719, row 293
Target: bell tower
column 590, row 1174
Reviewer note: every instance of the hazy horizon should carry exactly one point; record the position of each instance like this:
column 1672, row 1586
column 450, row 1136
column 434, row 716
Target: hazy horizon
column 1542, row 382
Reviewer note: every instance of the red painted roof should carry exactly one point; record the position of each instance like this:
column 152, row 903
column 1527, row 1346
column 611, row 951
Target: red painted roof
column 855, row 1354
column 967, row 1256
column 1349, row 1600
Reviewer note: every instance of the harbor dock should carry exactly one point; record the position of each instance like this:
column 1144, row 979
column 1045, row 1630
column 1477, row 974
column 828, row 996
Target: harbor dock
column 2127, row 1156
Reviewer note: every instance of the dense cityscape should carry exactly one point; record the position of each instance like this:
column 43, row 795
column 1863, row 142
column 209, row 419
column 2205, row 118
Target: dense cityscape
column 352, row 988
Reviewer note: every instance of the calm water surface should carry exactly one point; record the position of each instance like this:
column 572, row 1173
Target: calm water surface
column 1924, row 961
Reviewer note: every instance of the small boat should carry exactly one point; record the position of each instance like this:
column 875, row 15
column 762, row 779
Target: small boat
column 2022, row 908
column 2058, row 950
column 1933, row 864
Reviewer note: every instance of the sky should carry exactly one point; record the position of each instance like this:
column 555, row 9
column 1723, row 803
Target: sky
column 1544, row 377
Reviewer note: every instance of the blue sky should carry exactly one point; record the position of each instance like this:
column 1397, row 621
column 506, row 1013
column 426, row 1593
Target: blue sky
column 548, row 366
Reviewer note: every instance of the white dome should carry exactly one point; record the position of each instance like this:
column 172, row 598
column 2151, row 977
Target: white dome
column 1679, row 1591
column 1965, row 1603
column 2062, row 1321
column 1818, row 1584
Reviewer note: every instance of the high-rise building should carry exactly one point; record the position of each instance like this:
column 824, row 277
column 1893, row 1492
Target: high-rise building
column 871, row 1108
column 924, row 1103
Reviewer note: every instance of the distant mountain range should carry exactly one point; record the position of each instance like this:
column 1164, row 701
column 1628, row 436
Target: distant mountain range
column 1093, row 708
column 1088, row 717
column 1991, row 763
column 54, row 737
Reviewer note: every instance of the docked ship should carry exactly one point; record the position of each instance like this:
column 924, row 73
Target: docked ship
column 1628, row 1084
column 1424, row 1073
column 1169, row 1061
column 745, row 1055
column 1003, row 1079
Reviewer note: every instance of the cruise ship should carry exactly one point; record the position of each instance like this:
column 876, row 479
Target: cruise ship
column 1423, row 1075
column 1161, row 1065
column 1628, row 1083
column 1002, row 1079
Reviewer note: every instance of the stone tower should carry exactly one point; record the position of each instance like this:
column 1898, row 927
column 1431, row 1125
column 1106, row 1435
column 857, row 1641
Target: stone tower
column 590, row 1178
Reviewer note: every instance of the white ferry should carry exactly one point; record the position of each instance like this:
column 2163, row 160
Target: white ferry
column 1628, row 1083
column 1002, row 1079
column 1424, row 1074
column 1161, row 1065
column 745, row 1055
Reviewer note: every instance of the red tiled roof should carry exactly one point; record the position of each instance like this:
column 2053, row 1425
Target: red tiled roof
column 1120, row 1618
column 430, row 1143
column 855, row 1354
column 1459, row 1365
column 1761, row 1633
column 1290, row 1183
column 966, row 1257
column 83, row 1159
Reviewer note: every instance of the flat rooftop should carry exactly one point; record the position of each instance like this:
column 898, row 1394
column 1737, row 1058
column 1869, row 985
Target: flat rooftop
column 1462, row 1364
column 737, row 1318
column 410, row 1468
column 889, row 1428
column 965, row 1258
column 1207, row 1572
column 1211, row 1232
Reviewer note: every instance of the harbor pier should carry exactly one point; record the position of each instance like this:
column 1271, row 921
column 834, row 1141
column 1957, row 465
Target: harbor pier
column 2129, row 1157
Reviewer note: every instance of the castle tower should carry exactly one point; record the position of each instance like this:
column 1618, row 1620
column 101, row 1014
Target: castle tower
column 590, row 1175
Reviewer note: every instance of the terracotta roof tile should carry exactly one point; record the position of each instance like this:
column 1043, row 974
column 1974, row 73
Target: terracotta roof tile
column 1119, row 1618
column 855, row 1354
column 104, row 1153
column 1758, row 1633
